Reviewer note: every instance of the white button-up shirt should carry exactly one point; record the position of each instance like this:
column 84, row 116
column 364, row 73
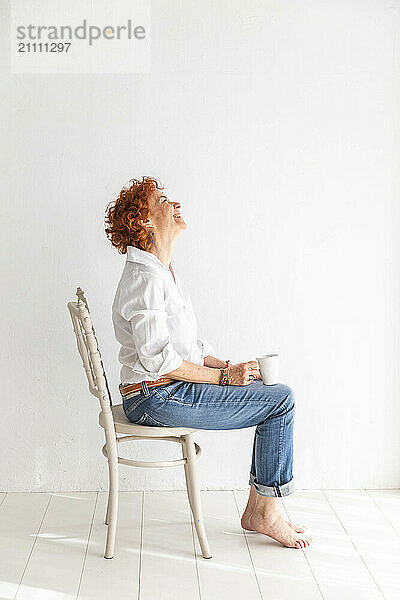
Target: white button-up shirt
column 154, row 320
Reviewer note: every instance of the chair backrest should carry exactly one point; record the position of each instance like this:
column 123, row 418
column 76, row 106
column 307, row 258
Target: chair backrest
column 89, row 349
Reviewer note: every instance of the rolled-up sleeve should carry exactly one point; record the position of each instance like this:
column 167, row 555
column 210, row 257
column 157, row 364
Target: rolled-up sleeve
column 144, row 308
column 206, row 348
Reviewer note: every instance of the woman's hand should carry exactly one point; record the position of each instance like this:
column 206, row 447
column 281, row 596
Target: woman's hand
column 243, row 373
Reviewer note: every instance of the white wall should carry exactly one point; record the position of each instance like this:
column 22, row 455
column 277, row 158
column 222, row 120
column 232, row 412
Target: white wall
column 276, row 125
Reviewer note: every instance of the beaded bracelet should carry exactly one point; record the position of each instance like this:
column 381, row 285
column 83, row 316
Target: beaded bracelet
column 224, row 379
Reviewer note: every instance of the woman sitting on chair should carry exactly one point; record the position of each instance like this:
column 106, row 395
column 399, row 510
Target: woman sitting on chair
column 171, row 378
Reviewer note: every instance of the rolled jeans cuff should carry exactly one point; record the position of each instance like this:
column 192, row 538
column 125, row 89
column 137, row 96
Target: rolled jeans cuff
column 275, row 491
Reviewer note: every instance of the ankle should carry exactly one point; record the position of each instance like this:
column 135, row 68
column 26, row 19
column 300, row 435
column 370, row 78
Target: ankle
column 266, row 515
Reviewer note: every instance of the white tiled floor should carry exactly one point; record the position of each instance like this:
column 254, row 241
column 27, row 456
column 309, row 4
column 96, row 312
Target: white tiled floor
column 52, row 547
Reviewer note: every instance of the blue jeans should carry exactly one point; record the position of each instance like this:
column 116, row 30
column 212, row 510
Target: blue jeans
column 270, row 408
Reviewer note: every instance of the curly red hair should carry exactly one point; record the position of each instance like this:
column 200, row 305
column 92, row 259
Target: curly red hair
column 123, row 215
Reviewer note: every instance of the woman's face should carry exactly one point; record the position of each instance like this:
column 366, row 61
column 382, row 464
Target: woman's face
column 165, row 216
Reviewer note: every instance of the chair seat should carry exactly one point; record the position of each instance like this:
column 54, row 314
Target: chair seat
column 124, row 425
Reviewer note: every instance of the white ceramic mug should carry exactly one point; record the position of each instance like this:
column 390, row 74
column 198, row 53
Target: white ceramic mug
column 269, row 368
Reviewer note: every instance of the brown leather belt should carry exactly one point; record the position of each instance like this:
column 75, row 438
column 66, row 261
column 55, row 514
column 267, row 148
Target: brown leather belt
column 128, row 388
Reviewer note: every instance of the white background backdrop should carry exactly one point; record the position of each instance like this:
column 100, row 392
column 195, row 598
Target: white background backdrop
column 276, row 125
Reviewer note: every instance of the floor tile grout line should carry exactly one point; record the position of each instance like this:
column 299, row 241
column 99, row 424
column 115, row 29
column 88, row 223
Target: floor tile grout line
column 87, row 546
column 305, row 555
column 354, row 545
column 139, row 591
column 33, row 546
column 4, row 497
column 382, row 513
column 396, row 489
column 248, row 548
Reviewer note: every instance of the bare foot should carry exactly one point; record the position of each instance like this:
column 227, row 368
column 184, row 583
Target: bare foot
column 278, row 529
column 245, row 523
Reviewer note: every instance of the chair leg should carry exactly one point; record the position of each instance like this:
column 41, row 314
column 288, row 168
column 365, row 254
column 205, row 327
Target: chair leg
column 110, row 488
column 193, row 492
column 112, row 504
column 108, row 503
column 187, row 476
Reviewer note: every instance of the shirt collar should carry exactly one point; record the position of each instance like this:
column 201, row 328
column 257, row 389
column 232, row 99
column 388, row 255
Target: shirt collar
column 135, row 254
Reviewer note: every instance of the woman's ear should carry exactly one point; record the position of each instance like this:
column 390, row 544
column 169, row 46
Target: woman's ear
column 146, row 223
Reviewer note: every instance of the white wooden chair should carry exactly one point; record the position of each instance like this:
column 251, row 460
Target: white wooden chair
column 113, row 420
